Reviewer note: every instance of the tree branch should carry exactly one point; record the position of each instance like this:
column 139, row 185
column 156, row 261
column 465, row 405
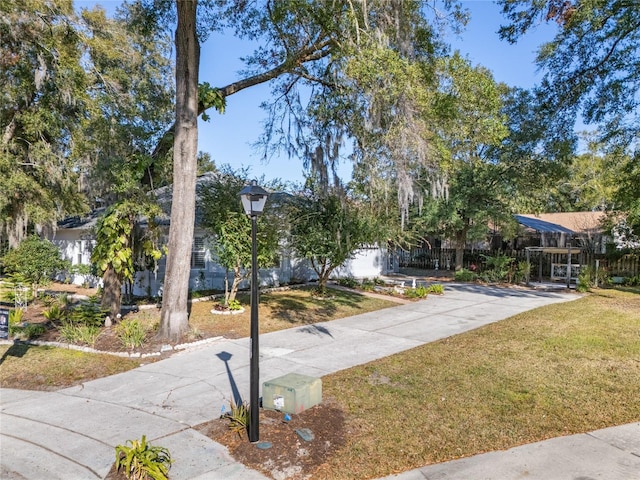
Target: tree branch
column 316, row 51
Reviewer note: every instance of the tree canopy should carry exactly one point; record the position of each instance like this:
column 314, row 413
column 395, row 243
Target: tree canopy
column 230, row 228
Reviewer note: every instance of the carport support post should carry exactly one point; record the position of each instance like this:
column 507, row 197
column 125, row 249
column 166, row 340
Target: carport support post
column 529, row 262
column 569, row 264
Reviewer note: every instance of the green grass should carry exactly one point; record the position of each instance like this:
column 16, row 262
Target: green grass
column 29, row 367
column 558, row 370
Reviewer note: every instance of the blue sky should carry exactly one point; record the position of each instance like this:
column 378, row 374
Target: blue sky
column 229, row 137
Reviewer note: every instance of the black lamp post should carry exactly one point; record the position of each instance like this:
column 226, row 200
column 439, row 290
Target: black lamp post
column 253, row 200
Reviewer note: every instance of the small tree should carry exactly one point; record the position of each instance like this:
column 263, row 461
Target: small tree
column 227, row 222
column 116, row 245
column 327, row 228
column 35, row 259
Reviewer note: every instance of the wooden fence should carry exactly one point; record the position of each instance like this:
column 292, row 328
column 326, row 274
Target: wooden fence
column 445, row 258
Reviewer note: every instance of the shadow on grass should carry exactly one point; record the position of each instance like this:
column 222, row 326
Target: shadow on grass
column 309, row 309
column 17, row 349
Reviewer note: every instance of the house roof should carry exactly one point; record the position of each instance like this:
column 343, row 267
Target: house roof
column 573, row 223
column 83, row 223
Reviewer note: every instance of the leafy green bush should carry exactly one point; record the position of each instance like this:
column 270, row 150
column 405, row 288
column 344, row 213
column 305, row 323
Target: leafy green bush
column 436, row 289
column 140, row 460
column 13, row 281
column 492, row 276
column 15, row 316
column 88, row 313
column 36, row 259
column 234, row 305
column 54, row 313
column 498, row 268
column 348, row 282
column 367, row 285
column 71, row 332
column 464, row 275
column 586, row 278
column 418, row 292
column 523, row 271
column 131, row 333
column 28, row 332
column 632, row 281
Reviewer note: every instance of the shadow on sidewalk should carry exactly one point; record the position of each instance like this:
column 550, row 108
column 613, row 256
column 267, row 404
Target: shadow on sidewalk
column 225, row 357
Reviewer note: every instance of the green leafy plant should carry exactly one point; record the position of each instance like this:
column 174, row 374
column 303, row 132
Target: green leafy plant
column 131, row 333
column 348, row 282
column 464, row 275
column 15, row 316
column 36, row 259
column 88, row 313
column 13, row 281
column 418, row 292
column 367, row 285
column 234, row 305
column 28, row 332
column 436, row 289
column 139, row 460
column 71, row 332
column 586, row 278
column 238, row 417
column 497, row 267
column 54, row 313
column 523, row 271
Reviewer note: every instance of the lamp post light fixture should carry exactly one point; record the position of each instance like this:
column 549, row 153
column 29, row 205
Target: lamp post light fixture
column 253, row 200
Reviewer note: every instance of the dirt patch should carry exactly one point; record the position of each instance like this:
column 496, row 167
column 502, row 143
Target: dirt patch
column 290, row 456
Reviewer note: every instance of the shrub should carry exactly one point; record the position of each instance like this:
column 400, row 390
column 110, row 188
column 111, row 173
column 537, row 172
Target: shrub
column 238, row 417
column 54, row 313
column 418, row 292
column 36, row 259
column 523, row 271
column 88, row 313
column 15, row 316
column 367, row 285
column 348, row 282
column 585, row 279
column 13, row 281
column 436, row 289
column 140, row 460
column 28, row 332
column 465, row 275
column 79, row 334
column 234, row 305
column 632, row 281
column 131, row 333
column 497, row 268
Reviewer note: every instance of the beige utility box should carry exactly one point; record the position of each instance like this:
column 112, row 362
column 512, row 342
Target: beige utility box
column 292, row 393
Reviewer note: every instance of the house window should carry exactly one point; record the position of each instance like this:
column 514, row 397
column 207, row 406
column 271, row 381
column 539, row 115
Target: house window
column 198, row 253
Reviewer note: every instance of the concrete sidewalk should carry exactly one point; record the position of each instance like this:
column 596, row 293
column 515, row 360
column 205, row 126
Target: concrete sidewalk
column 71, row 434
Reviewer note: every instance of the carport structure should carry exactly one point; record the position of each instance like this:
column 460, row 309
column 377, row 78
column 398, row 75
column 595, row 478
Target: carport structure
column 567, row 271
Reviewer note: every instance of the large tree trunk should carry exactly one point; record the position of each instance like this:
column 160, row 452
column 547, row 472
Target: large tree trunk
column 174, row 319
column 461, row 240
column 111, row 293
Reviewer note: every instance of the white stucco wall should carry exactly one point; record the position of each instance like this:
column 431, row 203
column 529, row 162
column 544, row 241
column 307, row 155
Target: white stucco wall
column 76, row 246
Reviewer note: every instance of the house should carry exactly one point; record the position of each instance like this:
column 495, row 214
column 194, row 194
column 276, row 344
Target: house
column 75, row 239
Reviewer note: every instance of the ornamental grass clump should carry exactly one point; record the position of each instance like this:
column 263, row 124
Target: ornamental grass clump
column 140, row 460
